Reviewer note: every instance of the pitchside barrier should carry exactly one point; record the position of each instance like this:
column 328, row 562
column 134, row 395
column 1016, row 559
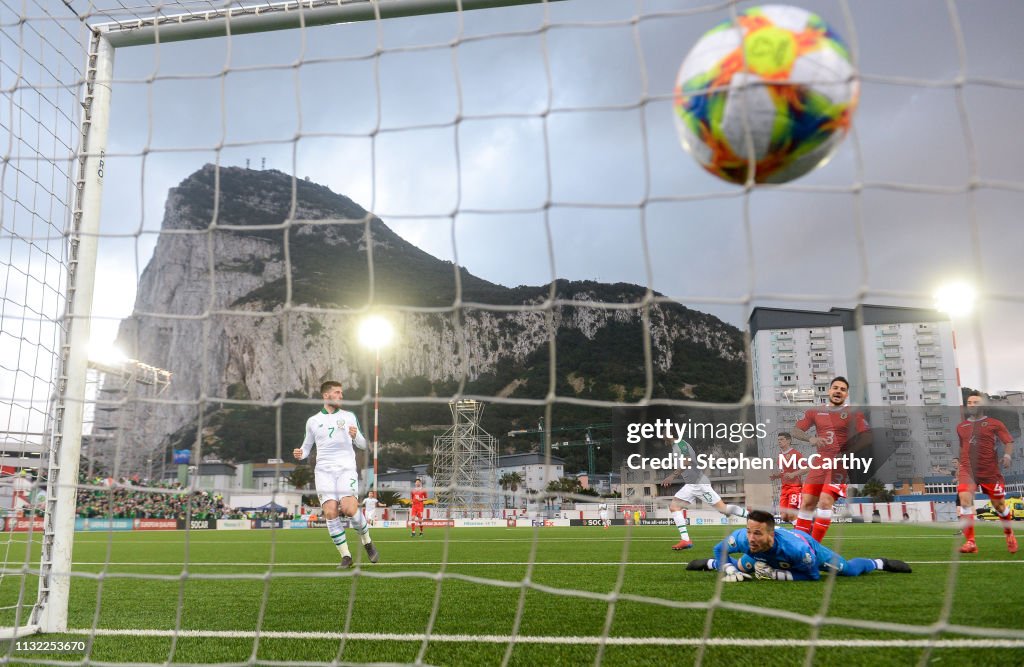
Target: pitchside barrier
column 857, row 511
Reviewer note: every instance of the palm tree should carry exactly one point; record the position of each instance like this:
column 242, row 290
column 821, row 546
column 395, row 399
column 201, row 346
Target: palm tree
column 388, row 498
column 510, row 481
column 877, row 491
column 504, row 482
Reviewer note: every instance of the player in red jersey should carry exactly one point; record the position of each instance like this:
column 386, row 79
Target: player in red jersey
column 835, row 427
column 419, row 494
column 979, row 467
column 791, row 475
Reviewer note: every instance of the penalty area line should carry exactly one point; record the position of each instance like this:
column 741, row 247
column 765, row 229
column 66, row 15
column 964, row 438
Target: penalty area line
column 531, row 639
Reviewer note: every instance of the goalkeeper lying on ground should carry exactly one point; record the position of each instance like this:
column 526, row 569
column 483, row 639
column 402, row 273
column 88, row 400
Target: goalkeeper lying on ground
column 783, row 555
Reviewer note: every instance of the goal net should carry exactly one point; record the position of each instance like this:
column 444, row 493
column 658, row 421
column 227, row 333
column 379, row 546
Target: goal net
column 204, row 200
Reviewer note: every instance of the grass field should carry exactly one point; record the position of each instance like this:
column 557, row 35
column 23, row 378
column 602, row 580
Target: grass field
column 275, row 596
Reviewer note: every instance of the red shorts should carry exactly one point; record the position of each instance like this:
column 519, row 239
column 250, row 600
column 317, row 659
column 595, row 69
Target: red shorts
column 996, row 490
column 818, row 490
column 417, row 512
column 791, row 497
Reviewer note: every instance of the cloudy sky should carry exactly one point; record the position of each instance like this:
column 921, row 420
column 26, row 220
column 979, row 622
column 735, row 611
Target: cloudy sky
column 537, row 142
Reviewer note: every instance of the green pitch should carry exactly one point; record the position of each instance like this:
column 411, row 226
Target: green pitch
column 255, row 593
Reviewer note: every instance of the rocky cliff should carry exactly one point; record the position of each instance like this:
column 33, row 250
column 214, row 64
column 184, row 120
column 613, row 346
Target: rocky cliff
column 258, row 282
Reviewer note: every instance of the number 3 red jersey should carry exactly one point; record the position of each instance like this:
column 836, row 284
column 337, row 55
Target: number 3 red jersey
column 978, row 462
column 832, row 425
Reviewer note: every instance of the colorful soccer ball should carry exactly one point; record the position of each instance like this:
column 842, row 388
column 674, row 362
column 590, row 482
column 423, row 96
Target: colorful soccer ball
column 784, row 71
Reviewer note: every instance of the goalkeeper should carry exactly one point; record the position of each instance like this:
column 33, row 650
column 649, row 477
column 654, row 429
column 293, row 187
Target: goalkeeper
column 767, row 552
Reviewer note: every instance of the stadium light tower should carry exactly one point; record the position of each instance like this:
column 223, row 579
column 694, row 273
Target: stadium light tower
column 375, row 332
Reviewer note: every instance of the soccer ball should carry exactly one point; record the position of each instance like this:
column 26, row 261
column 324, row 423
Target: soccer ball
column 781, row 74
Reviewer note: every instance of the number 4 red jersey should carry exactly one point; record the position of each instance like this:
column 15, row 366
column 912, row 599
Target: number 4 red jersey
column 978, row 462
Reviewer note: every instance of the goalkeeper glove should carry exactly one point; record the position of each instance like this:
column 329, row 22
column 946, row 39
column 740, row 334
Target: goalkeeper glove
column 734, row 575
column 766, row 571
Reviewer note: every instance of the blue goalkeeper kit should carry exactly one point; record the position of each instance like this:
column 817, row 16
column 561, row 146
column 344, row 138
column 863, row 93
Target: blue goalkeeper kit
column 793, row 551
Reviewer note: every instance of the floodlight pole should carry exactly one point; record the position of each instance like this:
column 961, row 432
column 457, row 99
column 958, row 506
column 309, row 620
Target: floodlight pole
column 376, row 412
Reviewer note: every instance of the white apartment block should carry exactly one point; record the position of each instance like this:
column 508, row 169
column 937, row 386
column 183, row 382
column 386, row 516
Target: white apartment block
column 533, row 470
column 901, row 363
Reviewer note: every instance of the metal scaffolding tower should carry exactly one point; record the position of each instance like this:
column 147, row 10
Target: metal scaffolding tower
column 465, row 467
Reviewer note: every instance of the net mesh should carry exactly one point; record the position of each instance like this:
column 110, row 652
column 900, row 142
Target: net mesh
column 529, row 145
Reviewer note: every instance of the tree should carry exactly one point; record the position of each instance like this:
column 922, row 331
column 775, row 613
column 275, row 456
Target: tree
column 569, row 486
column 510, row 481
column 300, row 477
column 877, row 491
column 388, row 497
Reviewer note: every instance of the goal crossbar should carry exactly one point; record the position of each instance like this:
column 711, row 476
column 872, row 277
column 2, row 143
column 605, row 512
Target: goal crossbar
column 280, row 16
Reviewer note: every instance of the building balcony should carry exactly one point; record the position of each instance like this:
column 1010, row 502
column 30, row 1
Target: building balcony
column 787, row 368
column 890, row 341
column 819, row 345
column 821, row 368
column 898, row 399
column 929, row 375
column 797, row 396
column 818, row 333
column 925, row 339
column 925, row 327
column 893, row 354
column 930, row 363
column 928, row 351
column 783, row 335
column 784, row 347
column 930, row 400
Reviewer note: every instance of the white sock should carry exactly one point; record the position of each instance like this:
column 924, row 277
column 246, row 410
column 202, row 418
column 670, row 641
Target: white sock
column 358, row 522
column 824, row 514
column 878, row 564
column 736, row 510
column 337, row 532
column 806, row 515
column 681, row 525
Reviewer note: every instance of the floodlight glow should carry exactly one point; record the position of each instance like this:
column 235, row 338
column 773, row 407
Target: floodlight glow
column 106, row 353
column 375, row 332
column 955, row 299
